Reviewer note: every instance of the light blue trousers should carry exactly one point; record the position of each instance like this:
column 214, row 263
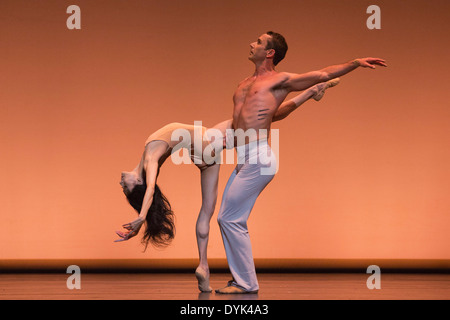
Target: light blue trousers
column 255, row 169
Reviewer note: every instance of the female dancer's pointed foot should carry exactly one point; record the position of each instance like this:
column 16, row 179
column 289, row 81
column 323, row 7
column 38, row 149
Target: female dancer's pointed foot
column 203, row 279
column 322, row 87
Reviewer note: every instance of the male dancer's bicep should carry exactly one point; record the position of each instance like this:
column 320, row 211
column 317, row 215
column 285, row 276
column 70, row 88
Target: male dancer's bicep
column 299, row 82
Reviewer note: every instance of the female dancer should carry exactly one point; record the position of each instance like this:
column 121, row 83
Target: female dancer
column 145, row 196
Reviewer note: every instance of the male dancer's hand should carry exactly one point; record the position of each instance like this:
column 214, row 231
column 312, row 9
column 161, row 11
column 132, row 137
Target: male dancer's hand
column 371, row 62
column 133, row 229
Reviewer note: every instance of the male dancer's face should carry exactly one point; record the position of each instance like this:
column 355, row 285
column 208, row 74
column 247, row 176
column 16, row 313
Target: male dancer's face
column 258, row 49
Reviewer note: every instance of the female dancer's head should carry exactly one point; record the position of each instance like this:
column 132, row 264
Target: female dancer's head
column 160, row 227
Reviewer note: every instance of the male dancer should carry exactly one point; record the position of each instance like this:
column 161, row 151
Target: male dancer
column 256, row 101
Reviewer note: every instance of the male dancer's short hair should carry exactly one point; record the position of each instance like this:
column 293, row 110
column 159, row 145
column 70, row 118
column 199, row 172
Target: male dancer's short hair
column 278, row 43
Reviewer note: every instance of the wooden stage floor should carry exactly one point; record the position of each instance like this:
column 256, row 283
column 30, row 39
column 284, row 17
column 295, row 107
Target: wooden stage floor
column 182, row 286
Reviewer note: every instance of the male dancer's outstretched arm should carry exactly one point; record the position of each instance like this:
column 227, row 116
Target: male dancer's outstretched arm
column 295, row 82
column 256, row 101
column 299, row 82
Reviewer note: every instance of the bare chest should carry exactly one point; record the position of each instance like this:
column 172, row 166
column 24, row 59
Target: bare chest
column 249, row 89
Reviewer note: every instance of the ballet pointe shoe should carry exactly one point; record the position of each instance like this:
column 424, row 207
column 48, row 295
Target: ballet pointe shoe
column 322, row 87
column 203, row 280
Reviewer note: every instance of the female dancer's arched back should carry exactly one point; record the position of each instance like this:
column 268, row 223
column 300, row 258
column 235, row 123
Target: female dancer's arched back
column 145, row 196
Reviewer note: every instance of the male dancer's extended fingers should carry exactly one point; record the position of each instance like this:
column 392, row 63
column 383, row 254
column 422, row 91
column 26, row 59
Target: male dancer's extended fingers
column 381, row 62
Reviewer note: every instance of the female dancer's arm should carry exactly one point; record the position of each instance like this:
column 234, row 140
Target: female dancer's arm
column 151, row 167
column 150, row 164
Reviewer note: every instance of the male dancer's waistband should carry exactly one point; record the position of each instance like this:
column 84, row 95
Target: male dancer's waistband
column 253, row 149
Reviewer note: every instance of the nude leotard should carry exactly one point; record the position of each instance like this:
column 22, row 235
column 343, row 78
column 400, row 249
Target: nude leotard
column 179, row 135
column 194, row 138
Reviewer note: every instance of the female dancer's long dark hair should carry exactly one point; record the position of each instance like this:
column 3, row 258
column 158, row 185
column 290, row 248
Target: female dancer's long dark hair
column 160, row 226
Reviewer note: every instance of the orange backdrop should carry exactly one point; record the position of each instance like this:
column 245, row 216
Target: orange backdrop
column 364, row 173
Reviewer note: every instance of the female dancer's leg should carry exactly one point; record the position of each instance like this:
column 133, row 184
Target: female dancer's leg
column 209, row 183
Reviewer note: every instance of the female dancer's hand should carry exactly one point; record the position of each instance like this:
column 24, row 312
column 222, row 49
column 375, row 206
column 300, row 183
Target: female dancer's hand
column 133, row 229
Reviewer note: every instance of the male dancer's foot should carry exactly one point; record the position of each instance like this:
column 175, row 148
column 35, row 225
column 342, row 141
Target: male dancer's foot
column 232, row 289
column 321, row 87
column 202, row 275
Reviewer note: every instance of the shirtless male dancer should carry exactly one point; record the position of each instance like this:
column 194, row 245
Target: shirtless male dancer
column 256, row 101
column 145, row 196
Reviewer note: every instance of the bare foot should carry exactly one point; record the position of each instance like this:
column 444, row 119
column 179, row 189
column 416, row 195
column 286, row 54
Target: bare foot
column 234, row 290
column 202, row 276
